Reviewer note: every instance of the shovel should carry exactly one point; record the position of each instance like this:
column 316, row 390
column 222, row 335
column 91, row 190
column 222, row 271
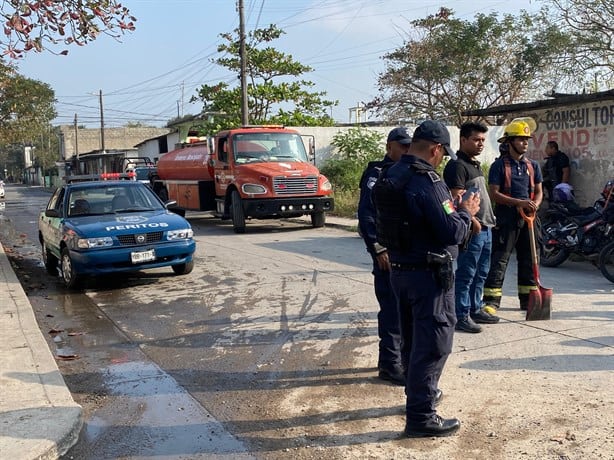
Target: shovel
column 540, row 299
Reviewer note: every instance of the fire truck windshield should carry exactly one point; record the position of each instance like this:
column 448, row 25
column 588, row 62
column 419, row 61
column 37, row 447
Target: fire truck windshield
column 269, row 147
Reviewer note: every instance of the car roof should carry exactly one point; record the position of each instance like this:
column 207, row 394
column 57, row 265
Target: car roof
column 108, row 183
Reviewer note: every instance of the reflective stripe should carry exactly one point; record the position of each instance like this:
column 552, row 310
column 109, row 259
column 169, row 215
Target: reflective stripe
column 493, row 292
column 525, row 289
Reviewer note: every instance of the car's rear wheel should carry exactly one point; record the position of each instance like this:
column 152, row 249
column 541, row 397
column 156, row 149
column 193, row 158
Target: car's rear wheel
column 183, row 269
column 50, row 261
column 69, row 274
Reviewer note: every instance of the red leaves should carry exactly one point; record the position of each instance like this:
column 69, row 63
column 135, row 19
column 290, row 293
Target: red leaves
column 35, row 24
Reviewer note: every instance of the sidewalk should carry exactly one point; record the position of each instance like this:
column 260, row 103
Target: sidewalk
column 38, row 416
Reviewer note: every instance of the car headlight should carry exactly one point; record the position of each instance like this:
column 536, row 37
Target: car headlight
column 326, row 186
column 88, row 243
column 253, row 189
column 182, row 234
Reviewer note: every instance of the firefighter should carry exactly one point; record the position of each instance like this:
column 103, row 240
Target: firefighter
column 514, row 182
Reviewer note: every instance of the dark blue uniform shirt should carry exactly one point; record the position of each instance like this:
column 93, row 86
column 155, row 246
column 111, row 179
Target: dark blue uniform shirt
column 435, row 224
column 519, row 177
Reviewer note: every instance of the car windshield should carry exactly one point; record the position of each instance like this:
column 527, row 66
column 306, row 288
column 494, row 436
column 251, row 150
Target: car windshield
column 269, row 147
column 111, row 198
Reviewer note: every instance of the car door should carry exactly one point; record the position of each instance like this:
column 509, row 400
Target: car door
column 51, row 226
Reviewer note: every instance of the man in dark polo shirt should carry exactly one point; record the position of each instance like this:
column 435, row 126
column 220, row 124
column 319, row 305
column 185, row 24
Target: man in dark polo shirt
column 473, row 261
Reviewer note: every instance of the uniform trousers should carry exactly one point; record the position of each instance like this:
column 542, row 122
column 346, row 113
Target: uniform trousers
column 509, row 235
column 427, row 329
column 388, row 327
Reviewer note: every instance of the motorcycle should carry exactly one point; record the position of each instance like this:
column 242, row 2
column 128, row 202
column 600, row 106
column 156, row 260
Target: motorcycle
column 568, row 229
column 606, row 261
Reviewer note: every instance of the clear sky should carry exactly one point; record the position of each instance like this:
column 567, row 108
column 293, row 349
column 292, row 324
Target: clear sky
column 151, row 74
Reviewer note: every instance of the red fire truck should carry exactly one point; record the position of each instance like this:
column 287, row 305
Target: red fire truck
column 258, row 172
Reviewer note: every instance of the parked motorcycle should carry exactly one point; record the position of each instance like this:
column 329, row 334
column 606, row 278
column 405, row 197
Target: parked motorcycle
column 606, row 261
column 568, row 229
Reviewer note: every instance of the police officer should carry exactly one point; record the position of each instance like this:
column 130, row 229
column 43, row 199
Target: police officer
column 514, row 182
column 418, row 223
column 390, row 365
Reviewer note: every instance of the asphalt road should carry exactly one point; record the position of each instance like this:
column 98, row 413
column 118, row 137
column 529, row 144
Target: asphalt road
column 267, row 350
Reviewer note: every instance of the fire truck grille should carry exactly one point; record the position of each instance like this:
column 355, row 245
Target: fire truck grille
column 295, row 185
column 139, row 238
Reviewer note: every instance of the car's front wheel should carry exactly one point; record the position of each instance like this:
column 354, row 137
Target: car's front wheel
column 50, row 261
column 69, row 274
column 183, row 269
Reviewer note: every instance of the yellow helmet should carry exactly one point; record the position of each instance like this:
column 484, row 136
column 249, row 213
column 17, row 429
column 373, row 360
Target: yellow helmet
column 519, row 127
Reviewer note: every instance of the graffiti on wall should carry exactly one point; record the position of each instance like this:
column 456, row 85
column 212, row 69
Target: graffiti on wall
column 583, row 133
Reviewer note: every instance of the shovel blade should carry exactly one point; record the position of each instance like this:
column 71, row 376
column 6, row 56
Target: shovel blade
column 539, row 307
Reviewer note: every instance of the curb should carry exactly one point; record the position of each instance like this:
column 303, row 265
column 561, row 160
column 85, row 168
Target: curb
column 38, row 416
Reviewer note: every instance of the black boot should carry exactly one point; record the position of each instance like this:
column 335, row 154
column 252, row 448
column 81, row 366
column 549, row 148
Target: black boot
column 436, row 426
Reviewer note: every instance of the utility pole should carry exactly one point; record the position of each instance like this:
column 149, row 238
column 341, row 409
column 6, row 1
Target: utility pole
column 243, row 58
column 101, row 122
column 76, row 140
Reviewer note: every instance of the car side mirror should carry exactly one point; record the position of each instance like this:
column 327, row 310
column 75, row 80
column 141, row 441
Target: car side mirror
column 52, row 213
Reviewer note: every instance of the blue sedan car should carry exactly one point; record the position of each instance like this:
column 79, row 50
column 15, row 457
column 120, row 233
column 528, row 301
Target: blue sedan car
column 109, row 226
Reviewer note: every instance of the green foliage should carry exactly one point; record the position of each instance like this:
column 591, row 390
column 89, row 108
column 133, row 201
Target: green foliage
column 26, row 110
column 26, row 106
column 457, row 65
column 346, row 203
column 355, row 148
column 275, row 92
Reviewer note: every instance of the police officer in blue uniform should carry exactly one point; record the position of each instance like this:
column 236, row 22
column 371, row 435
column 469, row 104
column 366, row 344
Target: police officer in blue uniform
column 418, row 223
column 389, row 364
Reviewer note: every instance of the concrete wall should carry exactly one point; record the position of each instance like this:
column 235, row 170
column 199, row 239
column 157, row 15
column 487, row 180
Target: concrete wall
column 324, row 137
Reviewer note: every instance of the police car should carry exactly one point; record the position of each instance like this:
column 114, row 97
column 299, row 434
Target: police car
column 95, row 227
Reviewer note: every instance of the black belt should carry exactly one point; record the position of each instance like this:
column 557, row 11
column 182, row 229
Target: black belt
column 409, row 267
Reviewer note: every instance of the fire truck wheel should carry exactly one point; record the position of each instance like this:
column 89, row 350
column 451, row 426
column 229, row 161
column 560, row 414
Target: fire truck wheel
column 183, row 269
column 318, row 219
column 238, row 214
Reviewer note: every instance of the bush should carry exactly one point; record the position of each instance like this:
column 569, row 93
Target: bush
column 355, row 149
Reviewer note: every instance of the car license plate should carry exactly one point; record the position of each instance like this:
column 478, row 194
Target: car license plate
column 143, row 256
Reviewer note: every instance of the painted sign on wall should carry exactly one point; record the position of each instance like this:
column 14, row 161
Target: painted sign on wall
column 586, row 134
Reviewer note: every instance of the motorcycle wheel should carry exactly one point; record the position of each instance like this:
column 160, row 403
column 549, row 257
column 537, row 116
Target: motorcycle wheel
column 551, row 256
column 606, row 261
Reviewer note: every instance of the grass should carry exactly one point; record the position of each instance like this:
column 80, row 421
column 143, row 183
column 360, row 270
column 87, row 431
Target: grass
column 346, row 203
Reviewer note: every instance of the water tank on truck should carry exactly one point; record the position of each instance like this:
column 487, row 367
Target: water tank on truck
column 185, row 175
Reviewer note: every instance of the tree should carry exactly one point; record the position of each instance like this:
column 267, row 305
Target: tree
column 26, row 111
column 26, row 106
column 37, row 24
column 275, row 93
column 591, row 26
column 456, row 65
